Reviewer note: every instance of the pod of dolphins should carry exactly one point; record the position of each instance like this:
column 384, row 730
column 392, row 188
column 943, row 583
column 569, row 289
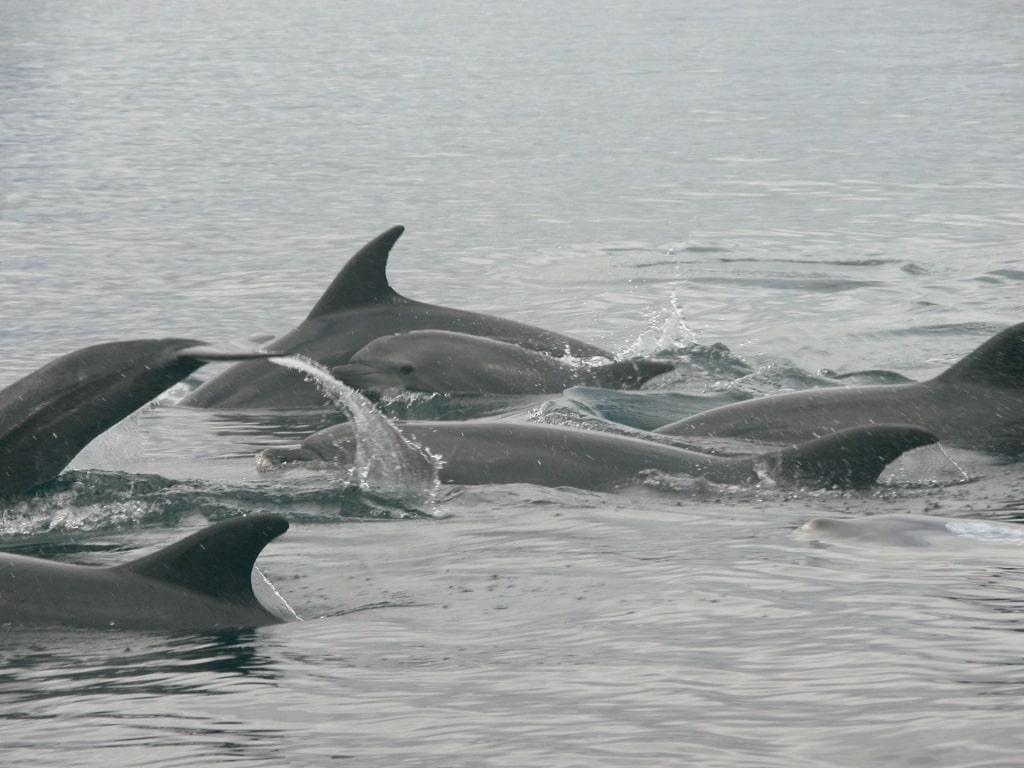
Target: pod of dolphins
column 374, row 339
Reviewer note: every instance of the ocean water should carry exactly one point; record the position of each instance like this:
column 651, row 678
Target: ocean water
column 770, row 194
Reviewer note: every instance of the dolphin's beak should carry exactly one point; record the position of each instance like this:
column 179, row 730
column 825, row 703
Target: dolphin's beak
column 354, row 373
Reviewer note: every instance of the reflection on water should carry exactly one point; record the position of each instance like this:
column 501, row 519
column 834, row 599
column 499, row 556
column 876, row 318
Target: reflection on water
column 134, row 696
column 42, row 664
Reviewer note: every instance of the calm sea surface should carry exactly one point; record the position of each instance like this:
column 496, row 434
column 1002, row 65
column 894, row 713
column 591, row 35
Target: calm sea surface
column 822, row 187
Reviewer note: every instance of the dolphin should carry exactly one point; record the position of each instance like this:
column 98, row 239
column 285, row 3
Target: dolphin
column 450, row 362
column 977, row 403
column 202, row 582
column 50, row 415
column 359, row 306
column 483, row 452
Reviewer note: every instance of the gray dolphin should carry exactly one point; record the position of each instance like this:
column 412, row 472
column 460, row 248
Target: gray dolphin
column 201, row 582
column 976, row 403
column 47, row 417
column 451, row 362
column 359, row 306
column 483, row 452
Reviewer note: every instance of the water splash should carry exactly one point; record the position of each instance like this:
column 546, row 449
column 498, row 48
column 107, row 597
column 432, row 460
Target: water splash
column 667, row 331
column 988, row 531
column 928, row 466
column 386, row 460
column 271, row 598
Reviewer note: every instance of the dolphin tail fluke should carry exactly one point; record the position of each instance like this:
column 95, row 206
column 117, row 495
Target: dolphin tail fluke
column 216, row 561
column 627, row 374
column 51, row 414
column 853, row 458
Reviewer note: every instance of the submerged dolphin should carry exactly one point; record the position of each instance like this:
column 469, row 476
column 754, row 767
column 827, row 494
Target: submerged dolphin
column 47, row 417
column 483, row 452
column 914, row 530
column 359, row 306
column 201, row 582
column 451, row 362
column 977, row 403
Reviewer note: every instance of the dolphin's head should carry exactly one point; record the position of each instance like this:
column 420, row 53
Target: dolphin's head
column 392, row 362
column 336, row 445
column 439, row 361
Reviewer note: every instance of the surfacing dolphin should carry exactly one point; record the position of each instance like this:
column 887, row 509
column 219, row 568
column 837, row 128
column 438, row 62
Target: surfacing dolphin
column 486, row 452
column 359, row 306
column 50, row 415
column 202, row 582
column 448, row 362
column 976, row 403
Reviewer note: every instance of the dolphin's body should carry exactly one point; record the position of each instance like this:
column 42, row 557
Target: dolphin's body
column 449, row 362
column 484, row 452
column 202, row 582
column 359, row 306
column 47, row 417
column 976, row 403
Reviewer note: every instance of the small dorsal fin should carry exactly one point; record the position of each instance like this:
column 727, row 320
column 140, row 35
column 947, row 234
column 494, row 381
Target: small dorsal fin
column 626, row 374
column 363, row 280
column 999, row 362
column 216, row 561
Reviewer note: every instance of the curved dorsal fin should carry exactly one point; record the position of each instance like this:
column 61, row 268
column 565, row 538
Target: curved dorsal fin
column 852, row 458
column 363, row 280
column 216, row 561
column 999, row 362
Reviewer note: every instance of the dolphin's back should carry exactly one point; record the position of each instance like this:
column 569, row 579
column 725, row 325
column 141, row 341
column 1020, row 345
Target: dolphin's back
column 976, row 403
column 486, row 452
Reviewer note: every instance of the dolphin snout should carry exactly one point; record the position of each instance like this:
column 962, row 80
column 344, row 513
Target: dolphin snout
column 353, row 372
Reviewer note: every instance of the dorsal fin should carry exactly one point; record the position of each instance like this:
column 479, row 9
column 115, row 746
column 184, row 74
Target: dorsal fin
column 852, row 458
column 626, row 374
column 363, row 280
column 999, row 362
column 216, row 561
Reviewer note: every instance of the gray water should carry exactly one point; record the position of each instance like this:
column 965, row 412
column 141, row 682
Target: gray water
column 822, row 187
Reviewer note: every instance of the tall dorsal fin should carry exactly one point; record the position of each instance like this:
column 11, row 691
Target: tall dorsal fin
column 999, row 362
column 363, row 280
column 216, row 561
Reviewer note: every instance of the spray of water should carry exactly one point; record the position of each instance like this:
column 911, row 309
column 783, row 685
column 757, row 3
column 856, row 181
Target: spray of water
column 666, row 331
column 989, row 531
column 931, row 465
column 386, row 461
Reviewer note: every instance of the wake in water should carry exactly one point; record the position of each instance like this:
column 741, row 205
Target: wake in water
column 385, row 461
